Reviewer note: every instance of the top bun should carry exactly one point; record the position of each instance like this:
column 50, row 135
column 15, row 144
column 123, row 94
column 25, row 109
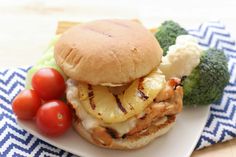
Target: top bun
column 107, row 52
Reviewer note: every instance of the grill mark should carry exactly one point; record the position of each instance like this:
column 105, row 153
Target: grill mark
column 91, row 96
column 131, row 107
column 119, row 24
column 66, row 55
column 119, row 104
column 112, row 132
column 143, row 117
column 140, row 83
column 98, row 32
column 124, row 136
column 141, row 94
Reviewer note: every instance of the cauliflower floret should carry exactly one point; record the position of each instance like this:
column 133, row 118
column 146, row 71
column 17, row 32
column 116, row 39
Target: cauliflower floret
column 181, row 58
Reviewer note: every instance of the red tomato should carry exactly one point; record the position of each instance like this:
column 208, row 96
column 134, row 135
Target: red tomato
column 48, row 83
column 26, row 104
column 54, row 118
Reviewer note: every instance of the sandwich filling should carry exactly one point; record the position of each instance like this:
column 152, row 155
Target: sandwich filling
column 166, row 103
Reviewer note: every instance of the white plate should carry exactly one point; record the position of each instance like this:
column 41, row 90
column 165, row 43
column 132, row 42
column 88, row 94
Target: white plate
column 178, row 142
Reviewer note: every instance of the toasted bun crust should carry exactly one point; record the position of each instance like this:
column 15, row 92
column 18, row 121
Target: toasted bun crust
column 107, row 52
column 134, row 142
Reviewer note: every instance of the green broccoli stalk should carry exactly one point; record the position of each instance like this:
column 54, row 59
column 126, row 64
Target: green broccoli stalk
column 207, row 81
column 167, row 34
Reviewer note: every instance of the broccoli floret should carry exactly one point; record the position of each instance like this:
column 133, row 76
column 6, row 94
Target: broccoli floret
column 167, row 34
column 207, row 81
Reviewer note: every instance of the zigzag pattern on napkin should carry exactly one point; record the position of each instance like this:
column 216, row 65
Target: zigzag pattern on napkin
column 15, row 141
column 221, row 124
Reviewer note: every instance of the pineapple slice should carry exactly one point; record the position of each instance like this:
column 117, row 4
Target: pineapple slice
column 110, row 108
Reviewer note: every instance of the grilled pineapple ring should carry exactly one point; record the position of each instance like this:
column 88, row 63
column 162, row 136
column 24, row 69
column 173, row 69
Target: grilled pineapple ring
column 110, row 108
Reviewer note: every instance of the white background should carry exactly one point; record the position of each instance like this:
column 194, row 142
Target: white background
column 27, row 26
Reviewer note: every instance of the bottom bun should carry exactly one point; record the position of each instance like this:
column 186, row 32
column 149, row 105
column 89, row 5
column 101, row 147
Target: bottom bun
column 135, row 141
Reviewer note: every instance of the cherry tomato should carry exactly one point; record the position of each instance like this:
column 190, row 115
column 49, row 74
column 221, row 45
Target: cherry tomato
column 26, row 104
column 54, row 118
column 48, row 83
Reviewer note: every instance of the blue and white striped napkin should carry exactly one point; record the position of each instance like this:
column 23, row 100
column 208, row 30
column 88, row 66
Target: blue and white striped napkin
column 221, row 124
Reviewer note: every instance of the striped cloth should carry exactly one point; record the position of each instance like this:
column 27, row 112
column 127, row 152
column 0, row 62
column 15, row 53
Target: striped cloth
column 221, row 123
column 220, row 126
